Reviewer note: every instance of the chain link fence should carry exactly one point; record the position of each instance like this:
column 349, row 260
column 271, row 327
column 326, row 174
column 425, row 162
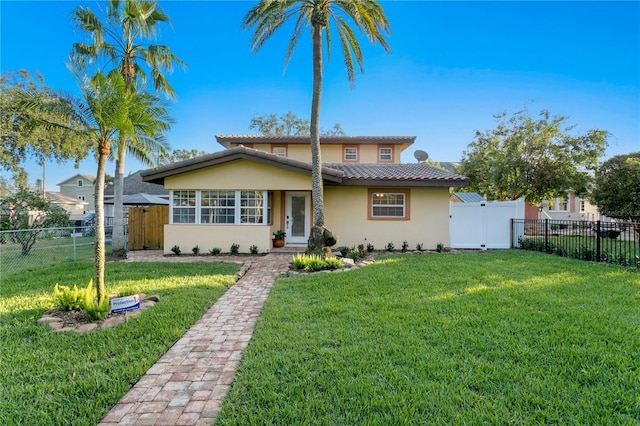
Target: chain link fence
column 30, row 249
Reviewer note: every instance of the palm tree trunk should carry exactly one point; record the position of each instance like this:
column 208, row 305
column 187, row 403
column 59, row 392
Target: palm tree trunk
column 118, row 238
column 99, row 206
column 316, row 238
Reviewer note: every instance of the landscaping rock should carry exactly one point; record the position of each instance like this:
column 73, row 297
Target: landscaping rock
column 48, row 320
column 153, row 298
column 84, row 328
column 348, row 262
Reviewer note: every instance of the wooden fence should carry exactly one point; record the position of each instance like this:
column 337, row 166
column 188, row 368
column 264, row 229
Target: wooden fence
column 146, row 227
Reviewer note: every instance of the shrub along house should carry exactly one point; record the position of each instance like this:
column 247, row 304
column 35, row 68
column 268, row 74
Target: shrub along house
column 260, row 184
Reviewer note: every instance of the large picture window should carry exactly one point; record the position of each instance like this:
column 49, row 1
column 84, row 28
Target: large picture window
column 220, row 207
column 385, row 204
column 217, row 206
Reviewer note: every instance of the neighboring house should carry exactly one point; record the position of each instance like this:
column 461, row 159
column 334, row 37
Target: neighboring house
column 82, row 187
column 571, row 207
column 133, row 184
column 466, row 197
column 260, row 184
column 75, row 206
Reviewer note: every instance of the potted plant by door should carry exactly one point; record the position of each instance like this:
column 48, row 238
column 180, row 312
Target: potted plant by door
column 278, row 238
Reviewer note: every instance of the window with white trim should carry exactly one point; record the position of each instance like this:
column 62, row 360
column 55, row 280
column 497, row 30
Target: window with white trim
column 183, row 206
column 220, row 207
column 388, row 204
column 80, row 182
column 351, row 154
column 385, row 154
column 280, row 151
column 217, row 206
column 251, row 207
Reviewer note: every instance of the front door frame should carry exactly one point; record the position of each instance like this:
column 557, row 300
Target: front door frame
column 291, row 239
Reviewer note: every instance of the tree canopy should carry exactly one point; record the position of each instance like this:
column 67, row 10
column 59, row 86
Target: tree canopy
column 27, row 133
column 616, row 189
column 536, row 158
column 179, row 155
column 29, row 214
column 288, row 125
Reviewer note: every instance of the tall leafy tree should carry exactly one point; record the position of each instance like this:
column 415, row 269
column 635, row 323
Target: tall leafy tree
column 323, row 17
column 536, row 158
column 28, row 214
column 616, row 189
column 122, row 42
column 288, row 124
column 24, row 132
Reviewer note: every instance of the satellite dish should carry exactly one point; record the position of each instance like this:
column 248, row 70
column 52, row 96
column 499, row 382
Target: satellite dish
column 421, row 155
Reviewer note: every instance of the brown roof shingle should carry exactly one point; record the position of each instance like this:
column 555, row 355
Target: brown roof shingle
column 412, row 174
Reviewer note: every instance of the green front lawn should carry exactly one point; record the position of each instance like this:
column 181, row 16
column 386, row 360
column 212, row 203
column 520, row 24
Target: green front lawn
column 509, row 337
column 49, row 378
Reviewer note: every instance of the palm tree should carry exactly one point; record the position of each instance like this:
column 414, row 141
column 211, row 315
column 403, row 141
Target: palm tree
column 128, row 24
column 107, row 110
column 323, row 16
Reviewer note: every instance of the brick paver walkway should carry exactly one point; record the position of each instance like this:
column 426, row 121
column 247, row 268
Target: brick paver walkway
column 188, row 384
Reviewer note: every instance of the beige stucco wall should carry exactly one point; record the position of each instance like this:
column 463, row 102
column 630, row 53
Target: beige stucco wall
column 241, row 174
column 332, row 153
column 207, row 237
column 346, row 213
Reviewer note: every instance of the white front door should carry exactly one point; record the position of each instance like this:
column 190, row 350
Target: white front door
column 297, row 217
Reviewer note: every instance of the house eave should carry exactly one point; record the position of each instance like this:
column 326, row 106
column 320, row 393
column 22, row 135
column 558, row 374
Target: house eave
column 239, row 153
column 404, row 183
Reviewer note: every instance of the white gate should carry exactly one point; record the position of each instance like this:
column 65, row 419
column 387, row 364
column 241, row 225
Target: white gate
column 484, row 225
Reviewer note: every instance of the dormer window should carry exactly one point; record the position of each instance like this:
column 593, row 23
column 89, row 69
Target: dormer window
column 351, row 153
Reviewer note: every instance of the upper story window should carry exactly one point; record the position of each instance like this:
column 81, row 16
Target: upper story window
column 385, row 154
column 280, row 151
column 80, row 182
column 582, row 205
column 351, row 153
column 81, row 197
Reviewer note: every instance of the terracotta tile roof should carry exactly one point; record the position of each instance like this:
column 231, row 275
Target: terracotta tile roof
column 412, row 174
column 228, row 140
column 240, row 152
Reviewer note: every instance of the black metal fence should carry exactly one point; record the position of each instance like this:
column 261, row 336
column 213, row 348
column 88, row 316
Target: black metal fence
column 598, row 241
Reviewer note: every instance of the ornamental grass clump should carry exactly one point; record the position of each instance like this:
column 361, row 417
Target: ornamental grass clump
column 314, row 262
column 75, row 299
column 68, row 299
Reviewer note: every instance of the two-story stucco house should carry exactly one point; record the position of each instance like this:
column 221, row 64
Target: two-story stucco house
column 260, row 184
column 82, row 187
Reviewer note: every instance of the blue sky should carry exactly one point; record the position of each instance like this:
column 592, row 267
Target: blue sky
column 453, row 66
